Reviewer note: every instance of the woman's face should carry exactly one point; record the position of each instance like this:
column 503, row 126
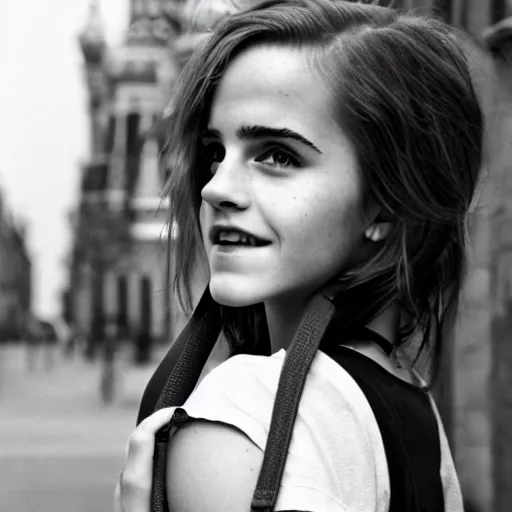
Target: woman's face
column 283, row 211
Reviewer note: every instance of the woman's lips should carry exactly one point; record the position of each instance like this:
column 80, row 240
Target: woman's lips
column 229, row 248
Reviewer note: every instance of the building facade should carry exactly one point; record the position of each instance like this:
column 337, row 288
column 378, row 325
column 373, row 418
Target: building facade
column 15, row 276
column 118, row 269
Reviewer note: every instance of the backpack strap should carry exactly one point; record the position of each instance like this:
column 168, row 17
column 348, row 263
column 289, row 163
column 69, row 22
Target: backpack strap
column 194, row 345
column 184, row 361
column 298, row 360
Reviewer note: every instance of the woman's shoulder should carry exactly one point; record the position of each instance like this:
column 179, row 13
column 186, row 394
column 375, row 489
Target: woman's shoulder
column 250, row 382
column 212, row 467
column 335, row 438
column 240, row 392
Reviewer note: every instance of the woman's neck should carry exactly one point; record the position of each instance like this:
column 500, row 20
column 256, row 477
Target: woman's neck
column 284, row 317
column 387, row 323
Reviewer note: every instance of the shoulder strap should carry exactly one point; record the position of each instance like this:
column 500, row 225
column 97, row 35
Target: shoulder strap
column 181, row 367
column 194, row 345
column 295, row 369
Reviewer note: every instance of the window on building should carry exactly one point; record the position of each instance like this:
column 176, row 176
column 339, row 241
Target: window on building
column 110, row 135
column 132, row 132
column 146, row 303
column 122, row 303
column 133, row 149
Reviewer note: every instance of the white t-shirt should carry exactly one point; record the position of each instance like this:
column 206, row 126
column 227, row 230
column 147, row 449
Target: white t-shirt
column 336, row 461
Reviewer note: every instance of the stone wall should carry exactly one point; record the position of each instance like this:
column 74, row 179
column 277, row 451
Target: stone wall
column 502, row 293
column 482, row 362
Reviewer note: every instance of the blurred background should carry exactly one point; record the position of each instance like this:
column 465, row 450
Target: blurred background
column 85, row 313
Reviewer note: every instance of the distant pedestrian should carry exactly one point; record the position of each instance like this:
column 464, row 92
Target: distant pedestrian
column 50, row 341
column 143, row 347
column 64, row 335
column 108, row 374
column 33, row 336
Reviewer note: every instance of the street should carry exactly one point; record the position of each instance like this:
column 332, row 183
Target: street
column 61, row 449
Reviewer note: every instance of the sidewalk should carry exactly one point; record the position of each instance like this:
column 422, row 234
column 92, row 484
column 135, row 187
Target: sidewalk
column 61, row 448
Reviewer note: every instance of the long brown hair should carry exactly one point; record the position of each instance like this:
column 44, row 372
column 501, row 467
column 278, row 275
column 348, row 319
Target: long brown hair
column 402, row 91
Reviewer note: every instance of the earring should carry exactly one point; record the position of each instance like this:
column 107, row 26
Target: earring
column 373, row 233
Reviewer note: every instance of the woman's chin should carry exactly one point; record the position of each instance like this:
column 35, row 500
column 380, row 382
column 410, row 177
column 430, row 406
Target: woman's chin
column 233, row 297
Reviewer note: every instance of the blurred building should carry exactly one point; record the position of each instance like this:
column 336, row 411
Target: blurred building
column 118, row 261
column 15, row 276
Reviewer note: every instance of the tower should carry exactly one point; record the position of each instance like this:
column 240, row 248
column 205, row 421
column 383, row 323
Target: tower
column 118, row 268
column 143, row 71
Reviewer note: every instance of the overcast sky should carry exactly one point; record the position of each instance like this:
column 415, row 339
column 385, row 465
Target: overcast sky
column 43, row 124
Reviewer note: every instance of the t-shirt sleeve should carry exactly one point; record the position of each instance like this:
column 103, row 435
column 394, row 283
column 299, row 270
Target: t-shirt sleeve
column 336, row 461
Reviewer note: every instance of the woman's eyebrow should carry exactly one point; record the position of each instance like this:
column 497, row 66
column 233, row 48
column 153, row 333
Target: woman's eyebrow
column 262, row 132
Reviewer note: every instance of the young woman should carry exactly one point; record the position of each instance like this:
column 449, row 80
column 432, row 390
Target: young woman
column 323, row 149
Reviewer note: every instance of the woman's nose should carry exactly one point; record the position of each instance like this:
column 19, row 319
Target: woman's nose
column 228, row 187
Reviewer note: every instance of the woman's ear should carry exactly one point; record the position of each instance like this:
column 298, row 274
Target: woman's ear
column 379, row 224
column 378, row 231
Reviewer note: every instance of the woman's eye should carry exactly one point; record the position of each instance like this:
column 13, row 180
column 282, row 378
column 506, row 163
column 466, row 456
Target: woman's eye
column 278, row 158
column 213, row 152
